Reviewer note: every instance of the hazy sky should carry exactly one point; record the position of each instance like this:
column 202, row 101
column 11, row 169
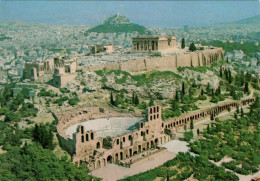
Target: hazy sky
column 147, row 13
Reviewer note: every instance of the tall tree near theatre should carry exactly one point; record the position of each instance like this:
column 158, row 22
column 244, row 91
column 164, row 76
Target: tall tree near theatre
column 191, row 124
column 112, row 98
column 246, row 90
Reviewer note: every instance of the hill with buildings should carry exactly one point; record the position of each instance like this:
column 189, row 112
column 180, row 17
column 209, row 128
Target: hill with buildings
column 117, row 23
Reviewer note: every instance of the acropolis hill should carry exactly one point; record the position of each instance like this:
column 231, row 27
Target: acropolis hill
column 161, row 53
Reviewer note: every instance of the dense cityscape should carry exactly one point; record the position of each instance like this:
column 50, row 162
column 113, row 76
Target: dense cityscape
column 121, row 101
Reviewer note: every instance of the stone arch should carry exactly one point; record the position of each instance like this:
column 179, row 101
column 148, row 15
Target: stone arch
column 130, row 152
column 139, row 148
column 156, row 141
column 121, row 155
column 87, row 137
column 98, row 145
column 82, row 129
column 104, row 161
column 109, row 159
column 92, row 135
column 82, row 139
column 116, row 157
column 98, row 164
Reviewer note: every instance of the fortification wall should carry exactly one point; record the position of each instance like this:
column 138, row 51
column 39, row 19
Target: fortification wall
column 166, row 63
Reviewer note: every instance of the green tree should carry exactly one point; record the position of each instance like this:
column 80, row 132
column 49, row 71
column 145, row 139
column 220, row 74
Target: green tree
column 208, row 129
column 112, row 99
column 136, row 100
column 198, row 131
column 202, row 92
column 174, row 105
column 242, row 113
column 11, row 116
column 208, row 88
column 43, row 135
column 192, row 47
column 183, row 88
column 229, row 77
column 246, row 89
column 235, row 115
column 191, row 124
column 212, row 117
column 220, row 71
column 133, row 98
column 151, row 102
column 183, row 43
column 177, row 96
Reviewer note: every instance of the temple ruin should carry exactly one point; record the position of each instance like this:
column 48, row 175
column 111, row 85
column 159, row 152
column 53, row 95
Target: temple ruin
column 148, row 43
column 63, row 70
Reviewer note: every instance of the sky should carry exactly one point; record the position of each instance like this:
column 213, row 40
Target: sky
column 148, row 13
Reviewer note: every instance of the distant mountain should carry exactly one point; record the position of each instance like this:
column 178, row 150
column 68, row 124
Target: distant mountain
column 117, row 23
column 251, row 20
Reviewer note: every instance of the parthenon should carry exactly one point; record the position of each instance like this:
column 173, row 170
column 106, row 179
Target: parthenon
column 153, row 43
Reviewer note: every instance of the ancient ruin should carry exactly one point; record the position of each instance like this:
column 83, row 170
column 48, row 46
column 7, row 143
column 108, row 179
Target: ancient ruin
column 153, row 43
column 62, row 68
column 96, row 137
column 99, row 49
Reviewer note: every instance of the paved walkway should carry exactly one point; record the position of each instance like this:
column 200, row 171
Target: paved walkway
column 113, row 172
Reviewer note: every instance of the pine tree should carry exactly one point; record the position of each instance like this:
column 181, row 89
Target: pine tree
column 226, row 74
column 218, row 91
column 44, row 136
column 174, row 105
column 220, row 71
column 208, row 88
column 36, row 132
column 133, row 98
column 183, row 43
column 183, row 88
column 192, row 47
column 191, row 124
column 177, row 96
column 235, row 115
column 229, row 77
column 202, row 92
column 208, row 129
column 136, row 101
column 182, row 98
column 242, row 113
column 151, row 102
column 212, row 92
column 116, row 102
column 212, row 117
column 246, row 90
column 112, row 98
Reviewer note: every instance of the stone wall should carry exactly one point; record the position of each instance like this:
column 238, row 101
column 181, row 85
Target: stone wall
column 166, row 63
